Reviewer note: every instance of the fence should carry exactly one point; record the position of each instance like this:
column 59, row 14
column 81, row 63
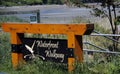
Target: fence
column 91, row 52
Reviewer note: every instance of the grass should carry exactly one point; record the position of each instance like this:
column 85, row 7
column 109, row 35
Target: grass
column 10, row 19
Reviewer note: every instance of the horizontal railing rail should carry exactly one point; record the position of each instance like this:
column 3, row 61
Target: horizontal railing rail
column 100, row 51
column 95, row 46
column 108, row 36
column 103, row 50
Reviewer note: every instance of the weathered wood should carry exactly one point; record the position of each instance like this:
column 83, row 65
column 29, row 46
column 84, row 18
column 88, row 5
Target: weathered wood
column 77, row 29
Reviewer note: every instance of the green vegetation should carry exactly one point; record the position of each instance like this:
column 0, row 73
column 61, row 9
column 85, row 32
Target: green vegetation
column 80, row 20
column 55, row 1
column 10, row 19
column 29, row 2
column 20, row 2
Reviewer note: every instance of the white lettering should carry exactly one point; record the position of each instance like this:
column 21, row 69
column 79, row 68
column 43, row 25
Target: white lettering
column 47, row 44
column 54, row 55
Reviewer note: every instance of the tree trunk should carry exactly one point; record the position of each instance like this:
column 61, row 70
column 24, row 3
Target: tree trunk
column 113, row 29
column 116, row 29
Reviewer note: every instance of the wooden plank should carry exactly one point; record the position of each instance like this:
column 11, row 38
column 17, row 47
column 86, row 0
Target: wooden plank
column 71, row 40
column 17, row 58
column 71, row 62
column 78, row 51
column 77, row 29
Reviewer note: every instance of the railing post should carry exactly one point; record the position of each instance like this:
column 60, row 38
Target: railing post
column 71, row 45
column 75, row 43
column 78, row 51
column 17, row 56
column 38, row 16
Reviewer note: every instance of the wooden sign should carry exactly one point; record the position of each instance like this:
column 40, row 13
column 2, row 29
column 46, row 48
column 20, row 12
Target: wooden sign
column 62, row 51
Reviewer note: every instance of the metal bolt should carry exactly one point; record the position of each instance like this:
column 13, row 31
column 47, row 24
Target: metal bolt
column 70, row 49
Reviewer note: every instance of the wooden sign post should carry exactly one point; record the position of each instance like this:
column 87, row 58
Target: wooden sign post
column 49, row 49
